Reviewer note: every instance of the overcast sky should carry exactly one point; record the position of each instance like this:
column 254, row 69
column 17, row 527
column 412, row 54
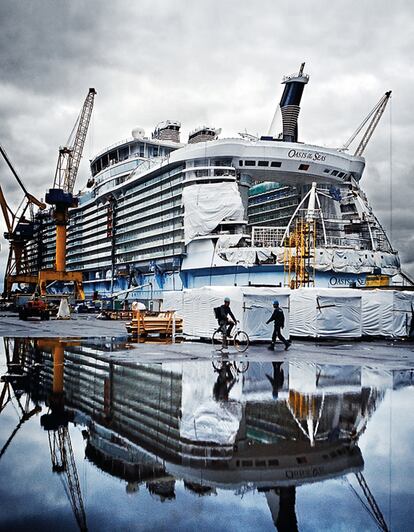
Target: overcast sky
column 213, row 62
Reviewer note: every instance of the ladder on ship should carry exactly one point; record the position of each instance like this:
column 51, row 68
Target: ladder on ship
column 299, row 255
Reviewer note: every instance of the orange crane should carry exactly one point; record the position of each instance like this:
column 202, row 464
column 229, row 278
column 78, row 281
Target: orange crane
column 20, row 231
column 62, row 199
column 56, row 422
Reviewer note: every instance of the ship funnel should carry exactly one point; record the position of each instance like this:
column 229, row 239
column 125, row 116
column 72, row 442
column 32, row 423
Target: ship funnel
column 290, row 103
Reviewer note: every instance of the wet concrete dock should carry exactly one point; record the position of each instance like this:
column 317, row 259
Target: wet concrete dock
column 384, row 352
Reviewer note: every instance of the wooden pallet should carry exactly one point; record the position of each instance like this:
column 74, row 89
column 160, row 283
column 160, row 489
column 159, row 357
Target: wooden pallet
column 144, row 324
column 121, row 315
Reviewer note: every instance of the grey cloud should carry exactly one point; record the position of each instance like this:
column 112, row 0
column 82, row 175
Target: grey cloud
column 219, row 63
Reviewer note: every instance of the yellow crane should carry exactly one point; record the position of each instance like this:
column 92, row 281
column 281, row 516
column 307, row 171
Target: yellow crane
column 62, row 199
column 20, row 231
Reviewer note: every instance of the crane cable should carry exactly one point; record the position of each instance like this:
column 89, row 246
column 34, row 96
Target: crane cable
column 390, row 170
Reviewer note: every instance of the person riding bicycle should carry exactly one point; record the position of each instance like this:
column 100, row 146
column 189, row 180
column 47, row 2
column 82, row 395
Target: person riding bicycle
column 226, row 318
column 225, row 382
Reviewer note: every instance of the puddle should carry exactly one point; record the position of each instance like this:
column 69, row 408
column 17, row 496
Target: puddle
column 92, row 440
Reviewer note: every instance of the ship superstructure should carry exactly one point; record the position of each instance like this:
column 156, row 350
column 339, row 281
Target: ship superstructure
column 161, row 215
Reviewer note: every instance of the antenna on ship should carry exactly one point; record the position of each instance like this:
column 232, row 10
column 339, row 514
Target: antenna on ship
column 290, row 105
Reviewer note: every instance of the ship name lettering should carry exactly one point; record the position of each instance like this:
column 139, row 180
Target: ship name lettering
column 306, row 155
column 300, row 473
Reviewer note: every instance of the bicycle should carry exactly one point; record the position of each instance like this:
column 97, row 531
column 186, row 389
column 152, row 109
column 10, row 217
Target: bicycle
column 239, row 338
column 240, row 366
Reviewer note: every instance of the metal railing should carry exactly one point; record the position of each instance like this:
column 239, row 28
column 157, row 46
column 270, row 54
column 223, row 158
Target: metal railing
column 267, row 236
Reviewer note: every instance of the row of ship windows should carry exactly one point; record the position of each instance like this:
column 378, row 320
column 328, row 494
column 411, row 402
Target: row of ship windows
column 161, row 225
column 79, row 227
column 273, row 206
column 169, row 209
column 268, row 197
column 153, row 253
column 275, row 461
column 142, row 207
column 260, row 218
column 145, row 242
column 207, row 173
column 140, row 149
column 139, row 195
column 210, row 162
column 277, row 164
column 273, row 164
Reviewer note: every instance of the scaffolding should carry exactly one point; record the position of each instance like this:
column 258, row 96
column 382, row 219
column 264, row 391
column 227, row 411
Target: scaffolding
column 299, row 254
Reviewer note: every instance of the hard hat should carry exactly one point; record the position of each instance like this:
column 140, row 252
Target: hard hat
column 275, row 302
column 227, row 300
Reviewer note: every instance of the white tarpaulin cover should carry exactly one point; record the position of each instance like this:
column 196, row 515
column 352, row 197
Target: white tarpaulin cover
column 326, row 259
column 206, row 205
column 315, row 312
column 64, row 311
column 203, row 418
column 325, row 312
column 386, row 313
column 251, row 306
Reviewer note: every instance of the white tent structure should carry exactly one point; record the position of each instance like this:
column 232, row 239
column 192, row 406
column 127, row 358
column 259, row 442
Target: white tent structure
column 326, row 313
column 386, row 312
column 251, row 306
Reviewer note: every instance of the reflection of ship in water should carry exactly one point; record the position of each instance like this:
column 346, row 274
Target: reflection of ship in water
column 281, row 427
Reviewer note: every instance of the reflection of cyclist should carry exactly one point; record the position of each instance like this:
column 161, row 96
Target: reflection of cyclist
column 224, row 383
column 226, row 324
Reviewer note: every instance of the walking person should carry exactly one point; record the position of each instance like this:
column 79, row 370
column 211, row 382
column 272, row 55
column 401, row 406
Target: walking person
column 279, row 322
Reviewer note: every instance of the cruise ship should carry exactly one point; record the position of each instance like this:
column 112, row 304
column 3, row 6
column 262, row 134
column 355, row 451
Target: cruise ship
column 158, row 214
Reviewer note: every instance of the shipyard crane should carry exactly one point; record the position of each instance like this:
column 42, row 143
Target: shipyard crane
column 56, row 422
column 375, row 115
column 62, row 199
column 63, row 462
column 14, row 388
column 20, row 231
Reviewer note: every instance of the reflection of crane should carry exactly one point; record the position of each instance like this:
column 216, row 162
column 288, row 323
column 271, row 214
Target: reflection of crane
column 63, row 461
column 372, row 507
column 12, row 392
column 56, row 423
column 61, row 197
column 376, row 114
column 20, row 231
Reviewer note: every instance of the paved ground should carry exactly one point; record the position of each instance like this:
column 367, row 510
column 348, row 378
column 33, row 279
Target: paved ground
column 384, row 353
column 82, row 325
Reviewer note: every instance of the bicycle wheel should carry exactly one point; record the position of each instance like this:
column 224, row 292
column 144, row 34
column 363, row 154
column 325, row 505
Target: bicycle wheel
column 241, row 341
column 241, row 366
column 217, row 340
column 217, row 364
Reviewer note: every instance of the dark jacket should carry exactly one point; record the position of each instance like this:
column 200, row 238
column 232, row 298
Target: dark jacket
column 278, row 317
column 225, row 311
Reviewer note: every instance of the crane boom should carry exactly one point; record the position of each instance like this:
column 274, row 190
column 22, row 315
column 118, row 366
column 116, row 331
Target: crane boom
column 376, row 512
column 70, row 156
column 62, row 198
column 20, row 232
column 382, row 104
column 376, row 114
column 29, row 196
